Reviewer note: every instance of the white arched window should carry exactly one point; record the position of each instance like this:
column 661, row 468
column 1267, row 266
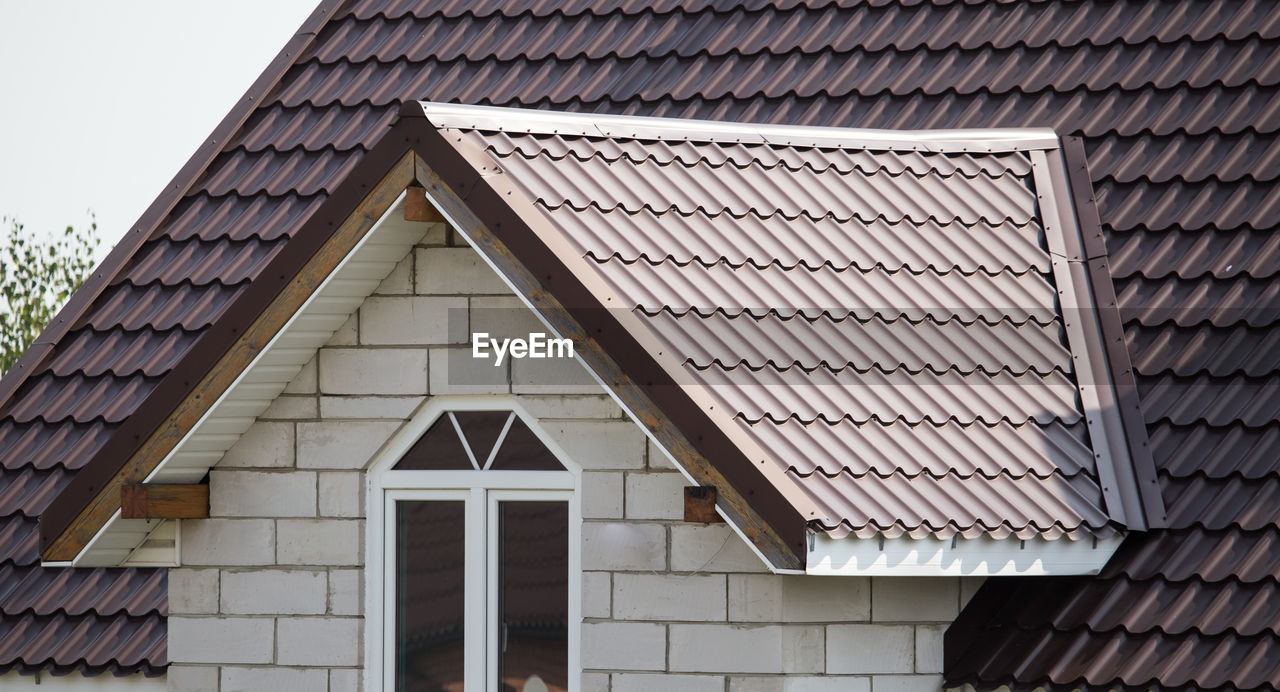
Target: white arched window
column 473, row 565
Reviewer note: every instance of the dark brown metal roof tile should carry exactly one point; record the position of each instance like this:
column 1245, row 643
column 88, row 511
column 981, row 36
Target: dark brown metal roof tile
column 1199, row 554
column 89, row 645
column 1224, row 254
column 1204, row 350
column 19, row 540
column 1219, row 503
column 1252, row 401
column 121, row 352
column 276, row 173
column 1188, row 206
column 1206, row 300
column 453, row 8
column 50, row 398
column 1156, row 607
column 239, row 218
column 1184, row 157
column 1119, row 659
column 29, row 492
column 202, row 261
column 101, row 591
column 1216, row 451
column 162, row 307
column 337, row 127
column 46, row 445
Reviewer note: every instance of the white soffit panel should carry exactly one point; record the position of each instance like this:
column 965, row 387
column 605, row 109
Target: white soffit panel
column 977, row 557
column 361, row 271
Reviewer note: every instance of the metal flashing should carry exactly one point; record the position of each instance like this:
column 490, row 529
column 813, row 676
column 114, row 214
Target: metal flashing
column 981, row 556
column 1093, row 376
column 531, row 121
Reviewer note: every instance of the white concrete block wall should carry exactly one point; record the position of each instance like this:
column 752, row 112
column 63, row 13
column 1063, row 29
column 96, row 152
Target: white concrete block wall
column 270, row 595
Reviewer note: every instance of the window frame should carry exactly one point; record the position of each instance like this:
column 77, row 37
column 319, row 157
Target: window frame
column 481, row 491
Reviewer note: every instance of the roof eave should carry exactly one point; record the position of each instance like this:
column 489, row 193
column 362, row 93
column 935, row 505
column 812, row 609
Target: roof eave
column 80, row 510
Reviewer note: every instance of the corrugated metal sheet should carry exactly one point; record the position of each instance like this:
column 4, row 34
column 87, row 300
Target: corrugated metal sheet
column 1001, row 506
column 832, row 366
column 813, row 242
column 1177, row 101
column 863, row 295
column 773, row 340
column 913, row 449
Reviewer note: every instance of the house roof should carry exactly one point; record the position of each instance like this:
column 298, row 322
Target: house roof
column 1177, row 106
column 749, row 261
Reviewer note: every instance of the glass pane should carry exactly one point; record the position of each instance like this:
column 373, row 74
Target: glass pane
column 533, row 592
column 521, row 450
column 481, row 428
column 438, row 449
column 430, row 563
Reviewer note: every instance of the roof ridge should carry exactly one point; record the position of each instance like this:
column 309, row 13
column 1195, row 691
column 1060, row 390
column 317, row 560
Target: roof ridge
column 532, row 121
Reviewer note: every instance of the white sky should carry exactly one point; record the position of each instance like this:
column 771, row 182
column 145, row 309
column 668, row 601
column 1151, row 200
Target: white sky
column 101, row 102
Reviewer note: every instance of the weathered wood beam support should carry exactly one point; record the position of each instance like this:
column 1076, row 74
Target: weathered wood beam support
column 700, row 504
column 143, row 501
column 417, row 208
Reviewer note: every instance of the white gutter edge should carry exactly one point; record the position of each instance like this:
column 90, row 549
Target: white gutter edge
column 959, row 557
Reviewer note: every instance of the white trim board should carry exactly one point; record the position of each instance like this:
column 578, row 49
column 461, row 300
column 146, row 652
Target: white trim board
column 961, row 557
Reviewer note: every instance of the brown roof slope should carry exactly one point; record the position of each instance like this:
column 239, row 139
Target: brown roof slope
column 862, row 381
column 1177, row 102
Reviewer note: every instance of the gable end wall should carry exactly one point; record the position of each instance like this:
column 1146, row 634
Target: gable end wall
column 270, row 594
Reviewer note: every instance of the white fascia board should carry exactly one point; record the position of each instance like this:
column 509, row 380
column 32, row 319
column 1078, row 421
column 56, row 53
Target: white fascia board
column 500, row 119
column 973, row 557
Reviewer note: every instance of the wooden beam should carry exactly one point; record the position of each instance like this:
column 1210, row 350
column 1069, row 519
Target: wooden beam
column 186, row 501
column 106, row 501
column 417, row 208
column 700, row 505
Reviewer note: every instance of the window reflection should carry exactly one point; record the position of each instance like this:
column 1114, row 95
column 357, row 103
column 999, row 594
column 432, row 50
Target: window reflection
column 430, row 564
column 533, row 583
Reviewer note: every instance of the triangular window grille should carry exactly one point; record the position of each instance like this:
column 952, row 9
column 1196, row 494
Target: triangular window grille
column 479, row 441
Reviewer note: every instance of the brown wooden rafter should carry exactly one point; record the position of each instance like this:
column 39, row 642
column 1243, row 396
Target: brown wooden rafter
column 177, row 501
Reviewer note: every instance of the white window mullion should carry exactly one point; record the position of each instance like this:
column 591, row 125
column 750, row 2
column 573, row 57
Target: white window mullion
column 386, row 604
column 476, row 603
column 494, row 639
